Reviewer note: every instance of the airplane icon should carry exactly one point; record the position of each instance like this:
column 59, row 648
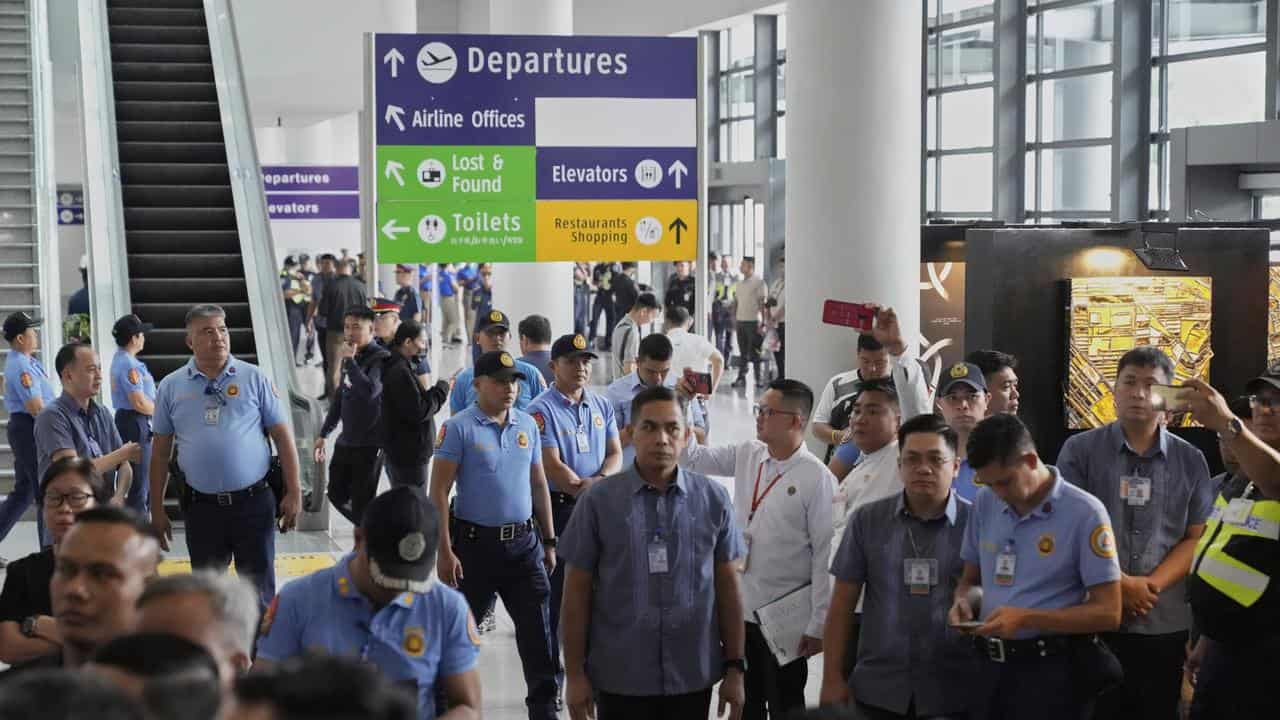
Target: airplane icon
column 437, row 62
column 434, row 60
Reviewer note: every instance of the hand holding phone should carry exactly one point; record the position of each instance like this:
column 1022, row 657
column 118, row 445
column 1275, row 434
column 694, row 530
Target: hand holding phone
column 859, row 316
column 1171, row 398
column 699, row 382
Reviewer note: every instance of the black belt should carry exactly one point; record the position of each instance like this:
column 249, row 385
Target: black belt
column 227, row 499
column 503, row 533
column 562, row 498
column 1001, row 651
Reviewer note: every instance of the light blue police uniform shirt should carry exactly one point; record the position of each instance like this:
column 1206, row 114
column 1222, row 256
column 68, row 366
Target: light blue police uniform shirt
column 233, row 453
column 417, row 639
column 848, row 453
column 1062, row 548
column 493, row 465
column 464, row 391
column 653, row 633
column 965, row 484
column 560, row 420
column 16, row 391
column 623, row 390
column 122, row 382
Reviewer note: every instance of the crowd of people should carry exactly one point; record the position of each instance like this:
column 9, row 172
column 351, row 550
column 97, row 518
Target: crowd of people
column 939, row 566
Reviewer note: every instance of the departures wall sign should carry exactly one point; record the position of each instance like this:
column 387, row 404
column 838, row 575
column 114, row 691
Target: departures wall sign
column 506, row 148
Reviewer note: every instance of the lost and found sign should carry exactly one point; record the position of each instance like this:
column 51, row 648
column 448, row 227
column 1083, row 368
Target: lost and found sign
column 535, row 148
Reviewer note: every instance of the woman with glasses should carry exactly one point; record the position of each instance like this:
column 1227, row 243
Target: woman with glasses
column 70, row 486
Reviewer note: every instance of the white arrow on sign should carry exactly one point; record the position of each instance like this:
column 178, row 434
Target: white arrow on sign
column 394, row 168
column 679, row 170
column 392, row 230
column 396, row 113
column 395, row 59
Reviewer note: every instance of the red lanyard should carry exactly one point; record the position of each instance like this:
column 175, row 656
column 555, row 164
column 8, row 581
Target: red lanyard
column 756, row 497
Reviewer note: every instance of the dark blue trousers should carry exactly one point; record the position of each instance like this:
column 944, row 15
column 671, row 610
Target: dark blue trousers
column 136, row 427
column 514, row 571
column 22, row 440
column 243, row 531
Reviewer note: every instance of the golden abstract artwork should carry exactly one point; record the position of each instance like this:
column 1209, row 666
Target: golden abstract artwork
column 1112, row 315
column 1273, row 318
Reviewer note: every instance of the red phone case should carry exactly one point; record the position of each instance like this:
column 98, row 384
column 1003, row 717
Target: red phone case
column 858, row 316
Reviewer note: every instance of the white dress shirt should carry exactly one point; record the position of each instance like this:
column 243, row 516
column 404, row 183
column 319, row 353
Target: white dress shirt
column 689, row 350
column 873, row 477
column 790, row 532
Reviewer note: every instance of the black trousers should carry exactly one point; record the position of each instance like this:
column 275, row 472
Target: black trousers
column 1237, row 682
column 1039, row 689
column 1152, row 677
column 690, row 706
column 602, row 304
column 722, row 333
column 414, row 474
column 780, row 357
column 773, row 690
column 749, row 347
column 296, row 315
column 353, row 479
column 863, row 711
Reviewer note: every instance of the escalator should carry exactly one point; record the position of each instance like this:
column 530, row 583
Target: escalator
column 176, row 214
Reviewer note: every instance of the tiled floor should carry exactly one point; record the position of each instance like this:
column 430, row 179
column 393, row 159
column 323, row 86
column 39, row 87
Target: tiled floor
column 502, row 680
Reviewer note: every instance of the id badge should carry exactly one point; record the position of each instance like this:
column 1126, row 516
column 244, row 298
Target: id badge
column 211, row 415
column 1006, row 563
column 1238, row 511
column 1135, row 490
column 584, row 442
column 658, row 558
column 919, row 574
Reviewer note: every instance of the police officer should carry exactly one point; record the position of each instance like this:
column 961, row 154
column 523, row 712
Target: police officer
column 356, row 464
column 491, row 544
column 215, row 411
column 133, row 393
column 493, row 332
column 1044, row 555
column 385, row 325
column 579, row 442
column 380, row 604
column 26, row 392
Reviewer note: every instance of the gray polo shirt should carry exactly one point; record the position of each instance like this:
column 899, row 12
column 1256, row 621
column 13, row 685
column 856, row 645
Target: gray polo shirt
column 652, row 633
column 1099, row 461
column 63, row 425
column 906, row 651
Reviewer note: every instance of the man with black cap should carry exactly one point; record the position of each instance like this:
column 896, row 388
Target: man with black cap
column 493, row 332
column 963, row 400
column 492, row 545
column 386, row 322
column 580, row 444
column 381, row 603
column 133, row 393
column 26, row 392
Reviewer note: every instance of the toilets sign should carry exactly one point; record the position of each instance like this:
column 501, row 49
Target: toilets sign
column 534, row 148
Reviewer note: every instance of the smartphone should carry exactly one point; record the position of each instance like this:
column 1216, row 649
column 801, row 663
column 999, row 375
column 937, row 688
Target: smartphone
column 701, row 382
column 859, row 316
column 967, row 625
column 1171, row 398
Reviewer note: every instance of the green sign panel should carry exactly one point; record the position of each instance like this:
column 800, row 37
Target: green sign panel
column 471, row 232
column 451, row 174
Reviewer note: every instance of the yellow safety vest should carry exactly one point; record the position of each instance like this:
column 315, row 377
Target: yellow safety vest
column 1252, row 521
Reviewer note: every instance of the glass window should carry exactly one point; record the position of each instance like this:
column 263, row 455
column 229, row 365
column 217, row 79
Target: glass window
column 931, row 123
column 737, row 95
column 782, row 136
column 967, row 55
column 1076, row 108
column 1076, row 36
column 742, row 140
column 1076, row 178
column 1154, row 180
column 967, row 118
column 1196, row 25
column 957, row 10
column 931, row 12
column 930, row 184
column 1219, row 90
column 782, row 35
column 966, row 183
column 782, row 87
column 1030, row 182
column 741, row 46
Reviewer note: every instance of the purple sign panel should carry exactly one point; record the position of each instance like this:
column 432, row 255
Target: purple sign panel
column 313, row 206
column 617, row 173
column 310, row 178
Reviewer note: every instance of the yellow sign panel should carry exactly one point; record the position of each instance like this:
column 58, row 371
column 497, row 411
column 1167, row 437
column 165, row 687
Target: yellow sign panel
column 617, row 230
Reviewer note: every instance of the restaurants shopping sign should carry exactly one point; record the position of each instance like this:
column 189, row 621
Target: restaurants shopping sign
column 535, row 148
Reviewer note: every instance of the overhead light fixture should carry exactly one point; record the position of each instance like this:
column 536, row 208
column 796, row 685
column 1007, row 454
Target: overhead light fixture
column 1161, row 258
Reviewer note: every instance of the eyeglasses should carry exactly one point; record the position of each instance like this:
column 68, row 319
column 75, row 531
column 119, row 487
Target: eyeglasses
column 1265, row 402
column 934, row 461
column 768, row 412
column 75, row 501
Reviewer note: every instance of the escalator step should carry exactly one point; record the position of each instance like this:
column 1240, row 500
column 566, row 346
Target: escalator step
column 148, row 14
column 156, row 265
column 155, row 3
column 190, row 290
column 162, row 72
column 176, row 242
column 172, row 341
column 138, row 52
column 188, row 218
column 174, row 315
column 159, row 34
column 174, row 174
column 203, row 91
column 171, row 111
column 177, row 196
column 188, row 132
column 173, row 153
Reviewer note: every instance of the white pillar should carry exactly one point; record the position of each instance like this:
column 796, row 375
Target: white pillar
column 853, row 172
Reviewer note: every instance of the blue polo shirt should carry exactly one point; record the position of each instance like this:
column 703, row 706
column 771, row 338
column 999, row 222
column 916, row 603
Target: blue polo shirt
column 848, row 453
column 493, row 465
column 24, row 378
column 623, row 390
column 561, row 421
column 468, row 276
column 410, row 302
column 965, row 484
column 130, row 375
column 219, row 424
column 418, row 639
column 446, row 283
column 464, row 390
column 1062, row 548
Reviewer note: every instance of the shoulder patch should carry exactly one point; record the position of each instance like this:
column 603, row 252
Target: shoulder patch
column 134, row 377
column 540, row 421
column 25, row 379
column 1102, row 541
column 268, row 617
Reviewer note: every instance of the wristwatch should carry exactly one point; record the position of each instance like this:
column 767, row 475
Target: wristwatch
column 1234, row 428
column 739, row 664
column 28, row 626
column 549, row 542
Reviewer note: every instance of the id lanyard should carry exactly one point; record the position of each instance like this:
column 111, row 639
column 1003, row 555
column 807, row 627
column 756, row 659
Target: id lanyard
column 756, row 496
